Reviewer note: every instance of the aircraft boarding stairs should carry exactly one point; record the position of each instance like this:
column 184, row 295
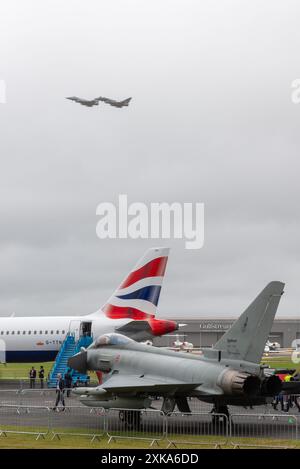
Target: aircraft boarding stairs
column 69, row 348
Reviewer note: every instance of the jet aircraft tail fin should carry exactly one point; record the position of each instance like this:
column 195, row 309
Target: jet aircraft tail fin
column 126, row 101
column 246, row 339
column 138, row 295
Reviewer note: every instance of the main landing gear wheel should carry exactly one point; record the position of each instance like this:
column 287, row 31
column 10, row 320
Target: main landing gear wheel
column 168, row 405
column 131, row 418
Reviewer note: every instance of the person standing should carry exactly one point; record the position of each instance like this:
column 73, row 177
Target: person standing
column 60, row 390
column 42, row 376
column 68, row 381
column 32, row 377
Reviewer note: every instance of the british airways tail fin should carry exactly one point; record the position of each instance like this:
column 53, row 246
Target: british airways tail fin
column 138, row 295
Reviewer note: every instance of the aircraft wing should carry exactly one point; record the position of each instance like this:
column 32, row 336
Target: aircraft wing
column 121, row 383
column 107, row 100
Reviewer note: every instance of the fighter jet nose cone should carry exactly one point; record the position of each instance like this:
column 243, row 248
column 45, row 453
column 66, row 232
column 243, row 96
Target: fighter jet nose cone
column 78, row 362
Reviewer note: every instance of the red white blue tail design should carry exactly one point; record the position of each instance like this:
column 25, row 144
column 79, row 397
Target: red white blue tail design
column 137, row 296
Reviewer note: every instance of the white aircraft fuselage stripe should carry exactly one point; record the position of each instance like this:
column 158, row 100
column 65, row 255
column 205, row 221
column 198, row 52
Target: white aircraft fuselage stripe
column 38, row 341
column 145, row 282
column 142, row 305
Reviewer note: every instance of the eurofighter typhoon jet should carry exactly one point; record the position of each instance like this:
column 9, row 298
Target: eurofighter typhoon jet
column 85, row 102
column 227, row 374
column 114, row 103
column 95, row 102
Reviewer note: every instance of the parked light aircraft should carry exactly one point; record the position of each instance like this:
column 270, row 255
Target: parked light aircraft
column 228, row 374
column 182, row 345
column 130, row 311
column 271, row 347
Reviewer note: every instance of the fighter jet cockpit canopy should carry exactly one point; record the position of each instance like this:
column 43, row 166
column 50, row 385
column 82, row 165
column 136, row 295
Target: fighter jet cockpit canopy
column 112, row 339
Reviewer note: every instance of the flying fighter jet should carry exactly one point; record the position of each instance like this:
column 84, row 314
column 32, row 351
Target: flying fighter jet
column 85, row 102
column 227, row 374
column 114, row 103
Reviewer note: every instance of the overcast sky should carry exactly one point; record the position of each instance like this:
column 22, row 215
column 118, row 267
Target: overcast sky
column 211, row 120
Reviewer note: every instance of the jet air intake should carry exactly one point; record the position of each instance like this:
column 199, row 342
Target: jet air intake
column 239, row 384
column 79, row 362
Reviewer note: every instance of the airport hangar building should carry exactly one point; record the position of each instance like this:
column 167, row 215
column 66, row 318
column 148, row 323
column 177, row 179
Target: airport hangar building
column 205, row 332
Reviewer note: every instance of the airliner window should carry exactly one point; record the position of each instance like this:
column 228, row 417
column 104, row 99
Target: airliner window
column 24, row 332
column 13, row 332
column 46, row 332
column 18, row 332
column 34, row 332
column 2, row 332
column 29, row 332
column 62, row 332
column 7, row 332
column 41, row 332
column 51, row 332
column 57, row 332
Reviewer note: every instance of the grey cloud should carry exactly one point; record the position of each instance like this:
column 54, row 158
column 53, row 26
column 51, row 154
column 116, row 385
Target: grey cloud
column 211, row 120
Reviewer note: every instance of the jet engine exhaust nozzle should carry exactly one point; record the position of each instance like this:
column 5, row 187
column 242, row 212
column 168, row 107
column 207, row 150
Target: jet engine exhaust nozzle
column 238, row 383
column 271, row 386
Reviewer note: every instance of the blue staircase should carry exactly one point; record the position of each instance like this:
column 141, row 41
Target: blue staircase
column 69, row 348
column 83, row 341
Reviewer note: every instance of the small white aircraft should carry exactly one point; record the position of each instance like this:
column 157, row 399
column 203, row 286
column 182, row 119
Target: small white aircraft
column 182, row 345
column 271, row 347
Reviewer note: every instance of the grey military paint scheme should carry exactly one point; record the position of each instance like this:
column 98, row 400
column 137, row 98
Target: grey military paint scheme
column 84, row 102
column 114, row 103
column 228, row 374
column 95, row 102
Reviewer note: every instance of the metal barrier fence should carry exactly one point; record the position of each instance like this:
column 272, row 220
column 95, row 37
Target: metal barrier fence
column 46, row 396
column 146, row 425
column 24, row 420
column 24, row 383
column 78, row 421
column 150, row 425
column 264, row 427
column 197, row 429
column 36, row 397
